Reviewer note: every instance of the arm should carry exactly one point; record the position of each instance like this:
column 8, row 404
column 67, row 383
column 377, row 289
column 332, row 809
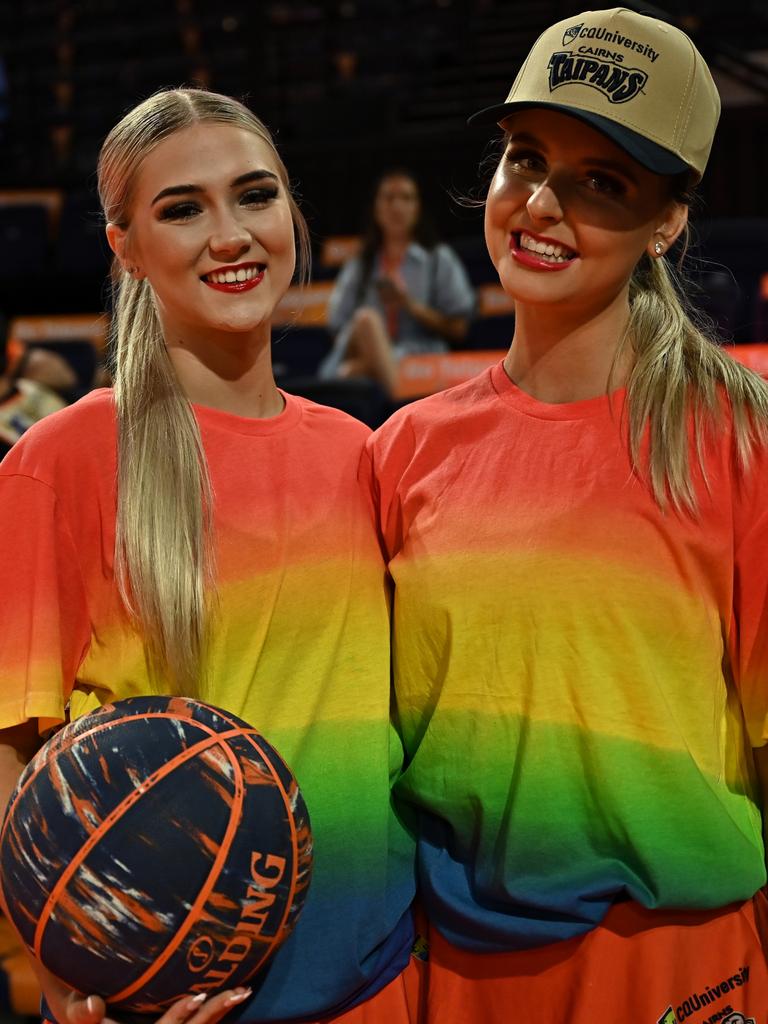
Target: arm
column 452, row 328
column 45, row 614
column 451, row 299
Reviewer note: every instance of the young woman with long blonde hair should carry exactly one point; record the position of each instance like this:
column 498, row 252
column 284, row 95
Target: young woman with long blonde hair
column 200, row 532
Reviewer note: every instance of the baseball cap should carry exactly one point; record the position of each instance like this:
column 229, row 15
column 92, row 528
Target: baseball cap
column 636, row 79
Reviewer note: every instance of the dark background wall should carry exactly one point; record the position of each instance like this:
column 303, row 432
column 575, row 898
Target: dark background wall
column 348, row 87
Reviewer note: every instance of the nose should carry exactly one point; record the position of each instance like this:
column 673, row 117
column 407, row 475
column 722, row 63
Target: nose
column 229, row 239
column 544, row 204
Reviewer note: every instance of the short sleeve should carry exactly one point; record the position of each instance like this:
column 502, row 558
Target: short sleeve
column 45, row 625
column 454, row 295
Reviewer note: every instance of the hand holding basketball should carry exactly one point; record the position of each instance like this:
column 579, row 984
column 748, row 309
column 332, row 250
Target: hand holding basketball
column 70, row 1007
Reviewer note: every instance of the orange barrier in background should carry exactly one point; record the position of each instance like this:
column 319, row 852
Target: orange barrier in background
column 305, row 307
column 424, row 375
column 61, row 327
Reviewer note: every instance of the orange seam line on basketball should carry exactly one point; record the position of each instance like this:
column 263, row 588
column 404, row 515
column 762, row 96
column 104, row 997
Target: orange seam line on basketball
column 295, row 860
column 250, row 736
column 202, row 897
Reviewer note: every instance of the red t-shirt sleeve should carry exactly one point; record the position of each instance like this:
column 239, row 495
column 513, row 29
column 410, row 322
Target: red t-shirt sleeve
column 45, row 626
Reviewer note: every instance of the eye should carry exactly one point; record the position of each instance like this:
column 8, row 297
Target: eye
column 605, row 184
column 180, row 211
column 526, row 162
column 259, row 196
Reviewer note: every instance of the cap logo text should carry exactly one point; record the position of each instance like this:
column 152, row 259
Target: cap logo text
column 605, row 35
column 617, row 84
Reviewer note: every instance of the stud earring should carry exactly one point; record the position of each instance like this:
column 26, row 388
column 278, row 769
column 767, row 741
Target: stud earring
column 658, row 248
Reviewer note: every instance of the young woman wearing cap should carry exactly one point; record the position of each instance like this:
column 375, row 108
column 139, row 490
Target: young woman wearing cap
column 578, row 544
column 174, row 537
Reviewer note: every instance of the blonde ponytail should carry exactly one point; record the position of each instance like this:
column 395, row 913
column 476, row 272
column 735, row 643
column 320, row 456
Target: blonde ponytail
column 164, row 561
column 163, row 556
column 677, row 375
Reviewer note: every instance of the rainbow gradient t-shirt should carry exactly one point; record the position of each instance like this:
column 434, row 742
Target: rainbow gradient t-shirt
column 300, row 650
column 579, row 676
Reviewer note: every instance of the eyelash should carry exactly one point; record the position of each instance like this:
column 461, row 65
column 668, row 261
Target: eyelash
column 516, row 158
column 188, row 209
column 606, row 183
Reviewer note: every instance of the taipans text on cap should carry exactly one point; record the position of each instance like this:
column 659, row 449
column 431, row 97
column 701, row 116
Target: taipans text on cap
column 618, row 84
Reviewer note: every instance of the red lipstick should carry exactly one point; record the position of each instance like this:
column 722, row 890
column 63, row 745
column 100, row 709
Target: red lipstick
column 234, row 286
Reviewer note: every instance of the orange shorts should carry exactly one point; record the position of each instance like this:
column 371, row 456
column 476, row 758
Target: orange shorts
column 399, row 1002
column 637, row 967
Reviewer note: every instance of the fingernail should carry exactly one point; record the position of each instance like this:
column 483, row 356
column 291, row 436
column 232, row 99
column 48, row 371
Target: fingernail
column 239, row 995
column 90, row 1004
column 199, row 998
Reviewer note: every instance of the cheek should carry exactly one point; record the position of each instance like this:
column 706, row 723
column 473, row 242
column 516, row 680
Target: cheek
column 279, row 237
column 161, row 253
column 498, row 208
column 620, row 250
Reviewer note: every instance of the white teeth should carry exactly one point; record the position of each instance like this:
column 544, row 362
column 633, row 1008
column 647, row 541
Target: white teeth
column 233, row 276
column 553, row 253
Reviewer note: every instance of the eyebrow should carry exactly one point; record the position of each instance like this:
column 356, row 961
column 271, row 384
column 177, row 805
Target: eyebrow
column 184, row 190
column 603, row 163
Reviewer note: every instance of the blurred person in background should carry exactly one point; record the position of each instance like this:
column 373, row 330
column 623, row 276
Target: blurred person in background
column 403, row 294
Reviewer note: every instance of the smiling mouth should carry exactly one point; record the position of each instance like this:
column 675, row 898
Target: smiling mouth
column 235, row 279
column 553, row 253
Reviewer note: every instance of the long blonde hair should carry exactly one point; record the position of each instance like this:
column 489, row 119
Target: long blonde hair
column 164, row 562
column 677, row 378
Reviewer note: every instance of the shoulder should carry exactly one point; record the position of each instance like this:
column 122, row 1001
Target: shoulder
column 432, row 423
column 350, row 269
column 328, row 423
column 444, row 253
column 65, row 441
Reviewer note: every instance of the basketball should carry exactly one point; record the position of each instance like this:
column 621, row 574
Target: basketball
column 154, row 848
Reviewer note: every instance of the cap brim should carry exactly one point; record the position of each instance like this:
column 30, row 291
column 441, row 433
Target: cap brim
column 655, row 158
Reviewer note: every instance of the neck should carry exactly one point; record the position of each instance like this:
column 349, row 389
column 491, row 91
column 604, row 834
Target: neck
column 395, row 246
column 567, row 356
column 228, row 371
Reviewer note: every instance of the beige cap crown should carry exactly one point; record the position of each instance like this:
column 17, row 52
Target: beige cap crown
column 639, row 80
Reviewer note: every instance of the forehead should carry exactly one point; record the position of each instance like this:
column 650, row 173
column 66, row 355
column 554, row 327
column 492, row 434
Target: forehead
column 397, row 184
column 206, row 155
column 556, row 130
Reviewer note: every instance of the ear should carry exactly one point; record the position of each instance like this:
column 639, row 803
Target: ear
column 669, row 230
column 118, row 243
